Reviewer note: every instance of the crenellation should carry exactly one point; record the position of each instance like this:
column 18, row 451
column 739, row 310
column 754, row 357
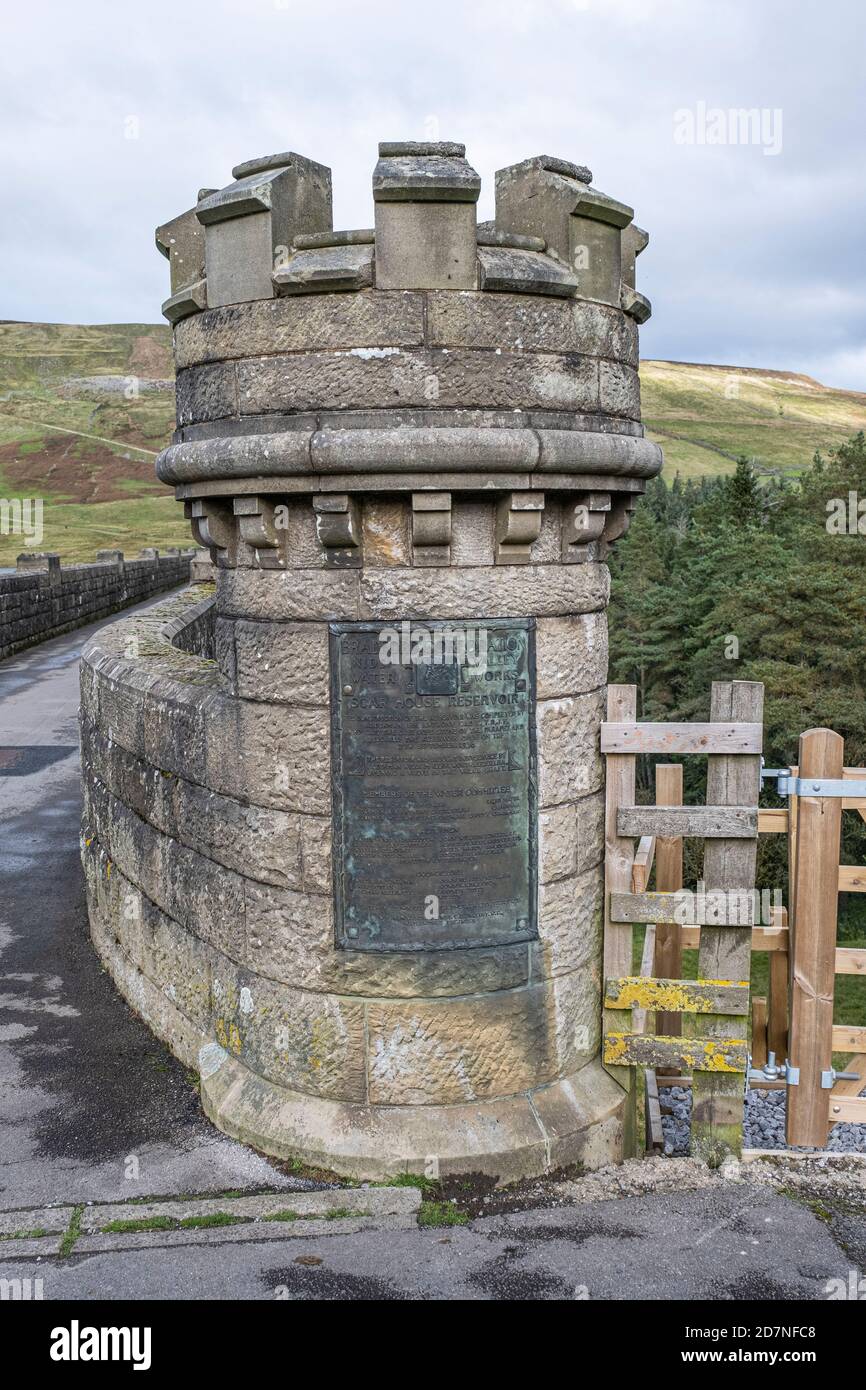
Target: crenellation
column 425, row 218
column 250, row 224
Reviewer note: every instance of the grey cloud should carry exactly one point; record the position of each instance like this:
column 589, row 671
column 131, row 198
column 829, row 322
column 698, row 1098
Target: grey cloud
column 755, row 259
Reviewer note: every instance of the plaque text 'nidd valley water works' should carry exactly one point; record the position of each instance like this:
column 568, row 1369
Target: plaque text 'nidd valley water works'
column 434, row 788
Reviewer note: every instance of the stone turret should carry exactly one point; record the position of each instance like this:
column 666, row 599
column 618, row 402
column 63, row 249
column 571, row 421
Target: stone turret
column 384, row 436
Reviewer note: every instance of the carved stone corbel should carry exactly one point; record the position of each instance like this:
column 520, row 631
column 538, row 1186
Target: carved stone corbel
column 338, row 528
column 213, row 526
column 518, row 524
column 619, row 520
column 431, row 528
column 583, row 521
column 260, row 532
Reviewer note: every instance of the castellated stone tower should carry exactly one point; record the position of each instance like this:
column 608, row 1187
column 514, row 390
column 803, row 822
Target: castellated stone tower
column 387, row 869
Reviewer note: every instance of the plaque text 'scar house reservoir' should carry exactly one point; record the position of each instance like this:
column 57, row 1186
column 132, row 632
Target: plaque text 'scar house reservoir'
column 344, row 820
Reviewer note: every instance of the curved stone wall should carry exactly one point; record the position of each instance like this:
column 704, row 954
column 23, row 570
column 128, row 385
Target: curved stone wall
column 206, row 844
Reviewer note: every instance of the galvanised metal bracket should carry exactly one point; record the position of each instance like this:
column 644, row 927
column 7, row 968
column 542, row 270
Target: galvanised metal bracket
column 771, row 1071
column 829, row 1078
column 789, row 785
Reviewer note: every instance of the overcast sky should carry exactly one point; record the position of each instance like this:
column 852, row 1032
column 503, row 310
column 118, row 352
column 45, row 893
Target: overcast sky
column 114, row 114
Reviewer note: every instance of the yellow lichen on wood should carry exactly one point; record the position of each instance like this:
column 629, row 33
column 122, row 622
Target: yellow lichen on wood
column 727, row 1055
column 678, row 996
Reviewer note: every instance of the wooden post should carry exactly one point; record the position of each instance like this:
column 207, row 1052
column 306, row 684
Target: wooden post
column 793, row 813
column 618, row 860
column 777, row 1021
column 759, row 1030
column 668, row 964
column 725, row 953
column 816, row 900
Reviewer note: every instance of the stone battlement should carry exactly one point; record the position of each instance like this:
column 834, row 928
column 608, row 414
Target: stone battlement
column 270, row 233
column 425, row 355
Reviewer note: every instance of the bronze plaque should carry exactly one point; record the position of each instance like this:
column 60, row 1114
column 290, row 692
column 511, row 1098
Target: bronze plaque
column 434, row 783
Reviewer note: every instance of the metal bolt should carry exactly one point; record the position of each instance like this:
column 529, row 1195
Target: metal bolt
column 347, row 690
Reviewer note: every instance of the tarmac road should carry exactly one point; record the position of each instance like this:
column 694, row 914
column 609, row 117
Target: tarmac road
column 94, row 1109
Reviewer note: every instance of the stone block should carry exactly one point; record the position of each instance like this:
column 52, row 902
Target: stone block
column 431, row 528
column 309, row 1042
column 498, row 591
column 301, row 324
column 177, row 962
column 570, row 654
column 569, row 761
column 181, row 241
column 426, row 246
column 206, row 393
column 557, row 843
column 517, row 526
column 315, row 846
column 539, row 381
column 364, row 380
column 325, row 270
column 282, row 662
column 507, row 321
column 290, row 935
column 415, row 171
column 323, row 596
column 138, row 850
column 549, row 199
column 284, row 756
column 576, row 1016
column 202, row 896
column 224, row 652
column 251, row 224
column 619, row 388
column 582, row 1118
column 590, row 831
column 442, row 1053
column 370, row 1143
column 570, row 927
column 150, row 1002
column 175, row 728
column 510, row 271
column 472, row 525
column 260, row 842
column 634, row 241
column 385, row 532
column 190, row 300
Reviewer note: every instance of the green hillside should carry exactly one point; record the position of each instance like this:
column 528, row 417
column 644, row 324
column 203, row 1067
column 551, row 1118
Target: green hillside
column 83, row 413
column 85, row 410
column 706, row 417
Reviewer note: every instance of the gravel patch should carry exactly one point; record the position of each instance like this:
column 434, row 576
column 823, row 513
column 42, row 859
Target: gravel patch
column 763, row 1124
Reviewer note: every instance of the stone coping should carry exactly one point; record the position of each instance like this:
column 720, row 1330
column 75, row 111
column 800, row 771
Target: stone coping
column 420, row 451
column 152, row 635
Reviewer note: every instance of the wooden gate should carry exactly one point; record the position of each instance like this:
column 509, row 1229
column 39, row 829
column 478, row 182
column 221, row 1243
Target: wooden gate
column 817, row 1095
column 715, row 1044
column 701, row 1026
